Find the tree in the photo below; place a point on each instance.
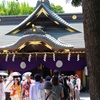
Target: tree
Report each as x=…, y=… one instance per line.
x=3, y=10
x=26, y=9
x=91, y=14
x=57, y=9
x=15, y=8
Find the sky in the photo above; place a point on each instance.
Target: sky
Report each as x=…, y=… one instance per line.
x=68, y=8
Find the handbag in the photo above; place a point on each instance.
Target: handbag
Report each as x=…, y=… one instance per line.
x=48, y=95
x=12, y=92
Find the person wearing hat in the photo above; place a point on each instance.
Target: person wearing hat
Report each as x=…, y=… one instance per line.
x=47, y=78
x=26, y=87
x=48, y=94
x=56, y=73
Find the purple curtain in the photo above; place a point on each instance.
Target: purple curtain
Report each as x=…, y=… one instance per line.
x=62, y=63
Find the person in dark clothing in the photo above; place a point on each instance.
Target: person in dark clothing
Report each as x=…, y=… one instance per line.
x=47, y=78
x=65, y=89
x=56, y=73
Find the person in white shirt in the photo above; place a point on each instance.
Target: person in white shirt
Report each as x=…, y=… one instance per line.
x=4, y=84
x=70, y=84
x=77, y=87
x=1, y=88
x=35, y=87
x=7, y=87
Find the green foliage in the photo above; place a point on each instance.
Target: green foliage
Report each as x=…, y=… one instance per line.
x=15, y=8
x=26, y=9
x=3, y=10
x=57, y=9
x=76, y=3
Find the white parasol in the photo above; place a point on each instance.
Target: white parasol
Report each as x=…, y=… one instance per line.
x=3, y=74
x=15, y=74
x=27, y=73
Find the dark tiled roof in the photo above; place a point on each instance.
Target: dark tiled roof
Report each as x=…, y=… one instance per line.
x=75, y=39
x=56, y=44
x=59, y=37
x=58, y=19
x=43, y=8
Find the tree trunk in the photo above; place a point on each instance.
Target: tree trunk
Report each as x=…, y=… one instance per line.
x=91, y=14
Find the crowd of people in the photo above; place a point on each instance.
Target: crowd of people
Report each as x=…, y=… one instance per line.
x=56, y=87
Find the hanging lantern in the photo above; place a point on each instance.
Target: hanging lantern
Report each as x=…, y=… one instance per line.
x=13, y=58
x=69, y=56
x=78, y=57
x=45, y=55
x=54, y=57
x=6, y=59
x=29, y=57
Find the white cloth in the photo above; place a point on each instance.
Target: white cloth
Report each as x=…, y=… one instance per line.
x=15, y=97
x=1, y=90
x=4, y=84
x=78, y=82
x=26, y=98
x=9, y=83
x=41, y=95
x=34, y=90
x=52, y=96
x=77, y=95
x=70, y=84
x=77, y=89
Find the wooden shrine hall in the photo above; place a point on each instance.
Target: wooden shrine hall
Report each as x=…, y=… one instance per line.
x=42, y=39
